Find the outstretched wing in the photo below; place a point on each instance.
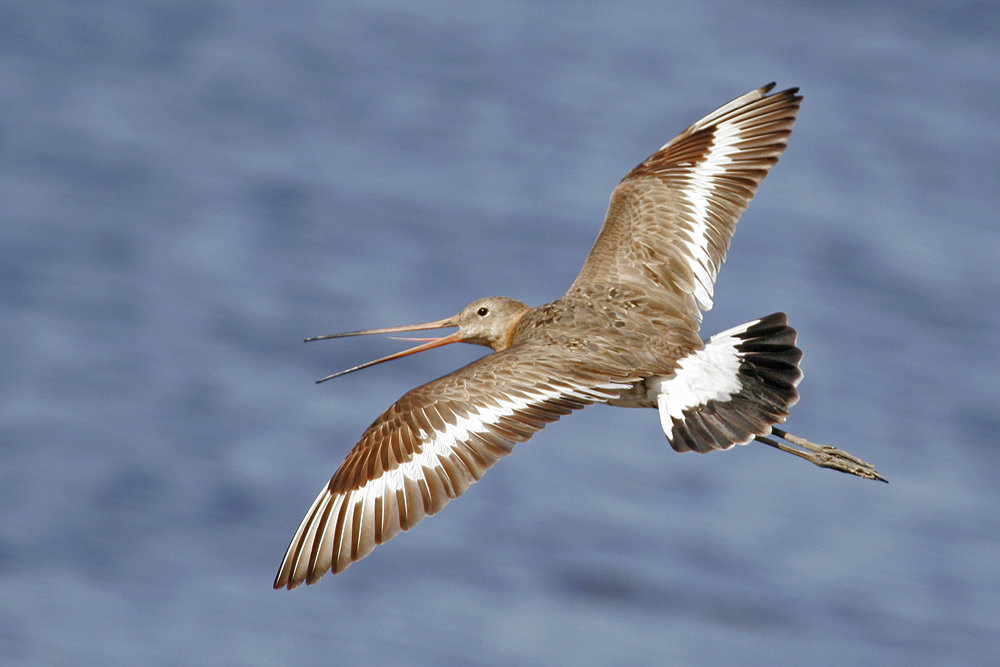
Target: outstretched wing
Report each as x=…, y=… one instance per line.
x=430, y=446
x=671, y=218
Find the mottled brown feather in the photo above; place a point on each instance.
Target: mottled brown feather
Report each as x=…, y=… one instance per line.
x=645, y=237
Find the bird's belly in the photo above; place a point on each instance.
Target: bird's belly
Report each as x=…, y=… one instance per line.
x=642, y=394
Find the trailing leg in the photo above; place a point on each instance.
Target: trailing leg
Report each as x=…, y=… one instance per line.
x=824, y=456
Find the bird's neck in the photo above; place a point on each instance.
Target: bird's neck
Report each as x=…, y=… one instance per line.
x=505, y=341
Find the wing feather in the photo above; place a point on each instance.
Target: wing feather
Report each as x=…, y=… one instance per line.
x=671, y=218
x=430, y=446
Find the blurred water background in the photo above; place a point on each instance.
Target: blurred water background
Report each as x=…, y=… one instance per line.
x=190, y=188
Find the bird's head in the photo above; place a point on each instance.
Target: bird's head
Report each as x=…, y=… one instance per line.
x=488, y=322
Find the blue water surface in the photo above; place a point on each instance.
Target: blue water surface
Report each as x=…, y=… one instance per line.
x=190, y=188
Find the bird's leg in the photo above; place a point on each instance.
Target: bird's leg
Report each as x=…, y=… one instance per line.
x=824, y=456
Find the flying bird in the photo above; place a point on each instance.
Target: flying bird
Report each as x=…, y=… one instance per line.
x=625, y=333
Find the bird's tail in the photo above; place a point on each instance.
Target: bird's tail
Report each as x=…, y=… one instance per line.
x=736, y=388
x=733, y=389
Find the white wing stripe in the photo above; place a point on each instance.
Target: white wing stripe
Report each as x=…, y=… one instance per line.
x=718, y=158
x=443, y=442
x=341, y=528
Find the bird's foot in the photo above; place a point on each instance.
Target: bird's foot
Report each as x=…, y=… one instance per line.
x=824, y=456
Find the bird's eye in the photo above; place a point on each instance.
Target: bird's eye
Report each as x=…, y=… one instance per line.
x=483, y=311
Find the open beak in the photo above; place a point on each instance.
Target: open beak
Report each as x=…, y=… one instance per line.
x=429, y=345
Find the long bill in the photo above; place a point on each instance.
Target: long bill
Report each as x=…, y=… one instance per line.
x=429, y=345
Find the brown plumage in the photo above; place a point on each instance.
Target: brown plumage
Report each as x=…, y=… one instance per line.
x=625, y=333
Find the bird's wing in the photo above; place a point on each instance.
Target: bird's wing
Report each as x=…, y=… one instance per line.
x=671, y=218
x=431, y=445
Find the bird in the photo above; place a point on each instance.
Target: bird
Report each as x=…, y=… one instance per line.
x=625, y=333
